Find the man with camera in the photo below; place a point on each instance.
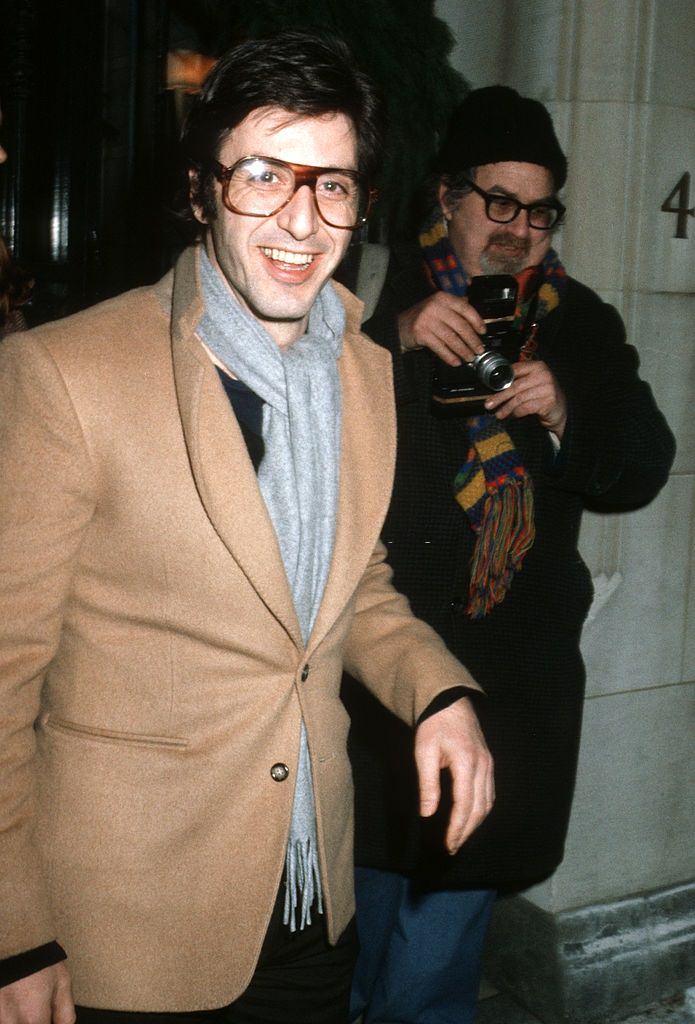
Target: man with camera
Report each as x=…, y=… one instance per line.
x=482, y=536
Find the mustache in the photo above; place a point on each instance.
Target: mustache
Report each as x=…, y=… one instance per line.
x=521, y=245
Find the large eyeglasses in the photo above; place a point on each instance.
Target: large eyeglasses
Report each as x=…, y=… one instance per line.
x=502, y=209
x=258, y=186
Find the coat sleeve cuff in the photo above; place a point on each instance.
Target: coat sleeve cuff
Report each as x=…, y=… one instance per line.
x=447, y=698
x=13, y=968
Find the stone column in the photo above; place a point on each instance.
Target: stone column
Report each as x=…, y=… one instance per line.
x=614, y=929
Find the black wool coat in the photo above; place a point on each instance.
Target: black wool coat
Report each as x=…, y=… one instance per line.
x=615, y=455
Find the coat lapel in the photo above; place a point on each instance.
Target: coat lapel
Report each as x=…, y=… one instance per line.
x=224, y=476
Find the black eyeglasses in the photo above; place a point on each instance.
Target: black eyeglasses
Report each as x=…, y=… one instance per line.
x=259, y=186
x=501, y=209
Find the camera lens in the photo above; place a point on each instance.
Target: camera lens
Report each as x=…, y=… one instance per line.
x=499, y=377
x=493, y=370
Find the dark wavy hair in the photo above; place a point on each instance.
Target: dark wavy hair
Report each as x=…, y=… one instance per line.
x=305, y=73
x=15, y=284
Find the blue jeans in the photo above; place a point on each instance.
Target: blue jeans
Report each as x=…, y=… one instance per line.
x=420, y=956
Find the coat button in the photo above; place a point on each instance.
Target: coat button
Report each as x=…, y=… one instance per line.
x=305, y=673
x=279, y=772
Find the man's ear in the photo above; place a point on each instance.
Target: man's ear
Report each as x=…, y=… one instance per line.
x=443, y=197
x=193, y=181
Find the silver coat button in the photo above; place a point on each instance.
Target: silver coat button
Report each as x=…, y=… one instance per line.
x=279, y=772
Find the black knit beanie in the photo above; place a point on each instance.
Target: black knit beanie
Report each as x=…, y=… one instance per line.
x=496, y=124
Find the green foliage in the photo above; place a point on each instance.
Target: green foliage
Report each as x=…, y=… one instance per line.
x=400, y=43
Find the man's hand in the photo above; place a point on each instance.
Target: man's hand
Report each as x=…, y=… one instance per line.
x=41, y=998
x=452, y=739
x=535, y=391
x=446, y=324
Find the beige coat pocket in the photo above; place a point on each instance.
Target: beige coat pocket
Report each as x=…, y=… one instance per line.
x=112, y=735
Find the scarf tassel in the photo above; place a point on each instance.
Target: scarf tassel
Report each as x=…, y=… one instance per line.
x=506, y=533
x=302, y=884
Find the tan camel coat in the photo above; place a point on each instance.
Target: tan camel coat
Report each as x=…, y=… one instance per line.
x=151, y=663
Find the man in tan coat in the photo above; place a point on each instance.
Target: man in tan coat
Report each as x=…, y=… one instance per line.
x=194, y=477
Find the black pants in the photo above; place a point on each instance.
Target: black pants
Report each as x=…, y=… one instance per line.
x=299, y=979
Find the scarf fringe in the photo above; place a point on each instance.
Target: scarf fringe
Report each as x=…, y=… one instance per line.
x=506, y=533
x=301, y=876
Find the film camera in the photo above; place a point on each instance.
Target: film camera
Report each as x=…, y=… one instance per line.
x=463, y=389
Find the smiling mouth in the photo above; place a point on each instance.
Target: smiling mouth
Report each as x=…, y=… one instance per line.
x=295, y=259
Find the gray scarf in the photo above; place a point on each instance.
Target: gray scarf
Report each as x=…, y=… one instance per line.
x=298, y=478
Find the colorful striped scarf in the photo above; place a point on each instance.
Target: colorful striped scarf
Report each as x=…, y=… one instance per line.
x=493, y=487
